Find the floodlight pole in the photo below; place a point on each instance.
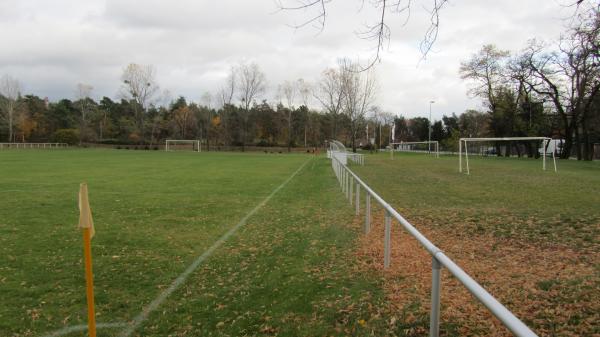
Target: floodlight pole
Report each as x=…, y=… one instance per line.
x=429, y=139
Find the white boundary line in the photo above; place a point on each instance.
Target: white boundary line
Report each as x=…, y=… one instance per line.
x=84, y=327
x=143, y=316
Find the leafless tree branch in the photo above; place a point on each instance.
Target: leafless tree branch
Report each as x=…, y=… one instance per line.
x=380, y=30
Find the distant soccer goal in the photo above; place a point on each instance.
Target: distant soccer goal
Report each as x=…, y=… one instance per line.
x=432, y=147
x=182, y=145
x=463, y=147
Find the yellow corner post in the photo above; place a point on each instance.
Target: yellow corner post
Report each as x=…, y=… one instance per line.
x=87, y=224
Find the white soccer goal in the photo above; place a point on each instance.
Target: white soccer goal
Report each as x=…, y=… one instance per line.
x=177, y=144
x=463, y=142
x=411, y=147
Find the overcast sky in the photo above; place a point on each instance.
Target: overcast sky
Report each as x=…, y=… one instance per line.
x=50, y=46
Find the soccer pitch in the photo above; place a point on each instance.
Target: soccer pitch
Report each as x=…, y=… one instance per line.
x=265, y=244
x=156, y=213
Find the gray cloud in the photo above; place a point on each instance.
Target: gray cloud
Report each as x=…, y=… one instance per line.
x=52, y=46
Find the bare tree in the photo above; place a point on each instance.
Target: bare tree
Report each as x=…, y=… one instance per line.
x=251, y=84
x=287, y=91
x=207, y=101
x=82, y=94
x=359, y=90
x=227, y=91
x=330, y=94
x=378, y=31
x=139, y=85
x=163, y=101
x=304, y=89
x=485, y=70
x=570, y=79
x=10, y=88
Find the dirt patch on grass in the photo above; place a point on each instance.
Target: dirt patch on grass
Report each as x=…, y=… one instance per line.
x=555, y=290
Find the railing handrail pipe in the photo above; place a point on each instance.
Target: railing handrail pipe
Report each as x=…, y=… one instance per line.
x=509, y=320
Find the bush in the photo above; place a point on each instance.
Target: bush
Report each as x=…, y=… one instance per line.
x=368, y=147
x=69, y=136
x=110, y=141
x=262, y=143
x=134, y=137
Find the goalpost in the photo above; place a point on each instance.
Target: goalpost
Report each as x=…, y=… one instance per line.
x=545, y=142
x=407, y=146
x=171, y=144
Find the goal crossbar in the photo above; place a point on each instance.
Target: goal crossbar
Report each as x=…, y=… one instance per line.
x=434, y=142
x=183, y=141
x=545, y=142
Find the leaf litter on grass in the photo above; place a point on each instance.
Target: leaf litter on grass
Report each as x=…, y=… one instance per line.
x=554, y=289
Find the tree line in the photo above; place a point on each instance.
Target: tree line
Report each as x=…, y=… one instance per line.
x=236, y=115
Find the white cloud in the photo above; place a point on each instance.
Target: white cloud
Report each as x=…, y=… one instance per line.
x=52, y=45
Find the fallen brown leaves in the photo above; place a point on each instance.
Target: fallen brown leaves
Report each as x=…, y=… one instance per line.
x=554, y=289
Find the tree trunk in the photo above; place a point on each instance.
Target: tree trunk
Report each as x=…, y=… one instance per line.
x=334, y=135
x=305, y=131
x=353, y=139
x=578, y=142
x=10, y=125
x=568, y=145
x=588, y=152
x=289, y=142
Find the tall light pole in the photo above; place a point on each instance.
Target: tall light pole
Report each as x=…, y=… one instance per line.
x=429, y=141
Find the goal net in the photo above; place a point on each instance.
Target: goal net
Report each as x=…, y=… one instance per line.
x=491, y=146
x=432, y=147
x=182, y=145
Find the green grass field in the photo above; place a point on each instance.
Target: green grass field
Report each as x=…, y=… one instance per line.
x=505, y=196
x=294, y=268
x=155, y=213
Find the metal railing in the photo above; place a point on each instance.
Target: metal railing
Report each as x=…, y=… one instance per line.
x=33, y=145
x=351, y=185
x=356, y=157
x=337, y=148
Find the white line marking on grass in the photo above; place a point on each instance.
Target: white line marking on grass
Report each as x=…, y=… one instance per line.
x=143, y=316
x=82, y=327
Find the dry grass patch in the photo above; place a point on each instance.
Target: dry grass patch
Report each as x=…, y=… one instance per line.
x=554, y=289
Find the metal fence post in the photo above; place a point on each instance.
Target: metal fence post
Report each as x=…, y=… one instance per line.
x=357, y=201
x=348, y=185
x=367, y=213
x=434, y=323
x=351, y=190
x=347, y=182
x=386, y=243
